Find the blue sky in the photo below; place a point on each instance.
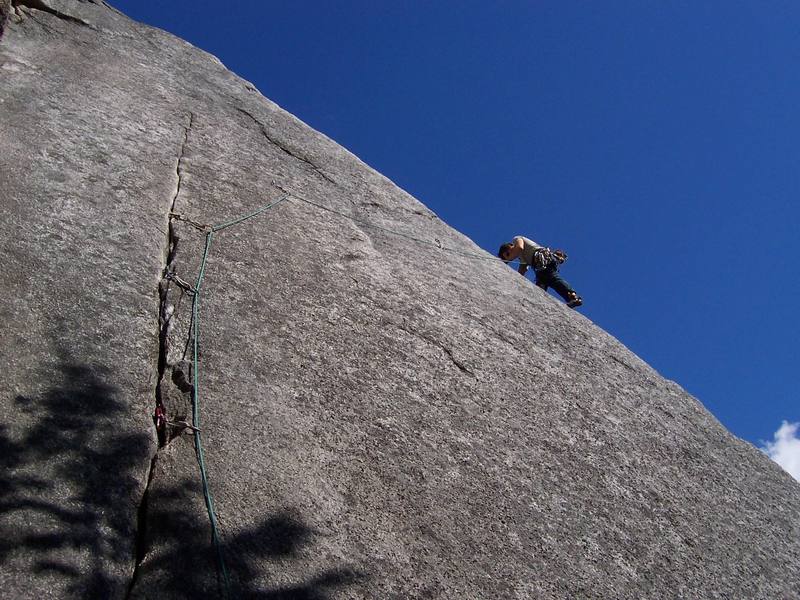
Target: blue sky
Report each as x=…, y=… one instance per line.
x=657, y=142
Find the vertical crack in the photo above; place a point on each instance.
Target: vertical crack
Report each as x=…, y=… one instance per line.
x=168, y=376
x=179, y=166
x=166, y=307
x=141, y=528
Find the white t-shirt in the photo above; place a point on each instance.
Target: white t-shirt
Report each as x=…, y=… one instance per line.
x=527, y=252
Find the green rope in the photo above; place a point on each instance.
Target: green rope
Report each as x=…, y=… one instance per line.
x=255, y=213
x=215, y=540
x=215, y=537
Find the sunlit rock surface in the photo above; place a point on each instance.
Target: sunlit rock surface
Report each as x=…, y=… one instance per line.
x=385, y=410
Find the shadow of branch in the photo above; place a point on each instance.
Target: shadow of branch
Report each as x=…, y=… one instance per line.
x=184, y=565
x=68, y=481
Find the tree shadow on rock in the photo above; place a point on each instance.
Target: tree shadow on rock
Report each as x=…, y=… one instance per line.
x=283, y=536
x=69, y=482
x=186, y=565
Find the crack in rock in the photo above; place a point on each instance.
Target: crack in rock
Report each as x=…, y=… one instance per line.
x=179, y=166
x=623, y=363
x=44, y=7
x=441, y=346
x=285, y=148
x=140, y=546
x=5, y=11
x=172, y=380
x=174, y=387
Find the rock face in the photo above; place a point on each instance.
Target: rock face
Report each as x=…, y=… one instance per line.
x=384, y=411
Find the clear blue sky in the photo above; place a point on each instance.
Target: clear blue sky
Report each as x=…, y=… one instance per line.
x=657, y=142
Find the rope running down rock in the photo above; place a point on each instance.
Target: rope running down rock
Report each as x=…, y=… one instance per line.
x=195, y=291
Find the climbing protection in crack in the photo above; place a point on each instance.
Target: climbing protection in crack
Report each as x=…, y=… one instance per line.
x=173, y=376
x=184, y=376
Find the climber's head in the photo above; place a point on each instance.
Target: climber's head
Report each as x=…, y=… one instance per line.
x=504, y=251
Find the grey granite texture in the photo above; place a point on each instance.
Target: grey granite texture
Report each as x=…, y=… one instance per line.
x=381, y=417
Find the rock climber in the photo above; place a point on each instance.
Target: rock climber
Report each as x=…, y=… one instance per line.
x=545, y=264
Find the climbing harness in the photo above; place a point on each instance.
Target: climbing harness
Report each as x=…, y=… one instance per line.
x=544, y=257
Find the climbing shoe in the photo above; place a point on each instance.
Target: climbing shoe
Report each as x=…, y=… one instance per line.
x=575, y=301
